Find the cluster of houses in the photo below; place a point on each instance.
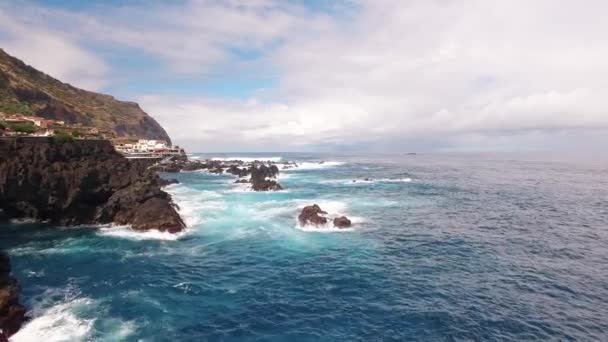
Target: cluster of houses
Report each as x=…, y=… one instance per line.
x=143, y=148
x=19, y=124
x=25, y=125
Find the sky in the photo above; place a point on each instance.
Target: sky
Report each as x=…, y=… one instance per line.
x=335, y=75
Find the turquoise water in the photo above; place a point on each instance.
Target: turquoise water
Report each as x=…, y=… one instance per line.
x=443, y=248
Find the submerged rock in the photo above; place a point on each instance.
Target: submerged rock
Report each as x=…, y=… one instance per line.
x=12, y=313
x=81, y=182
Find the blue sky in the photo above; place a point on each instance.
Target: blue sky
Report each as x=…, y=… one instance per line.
x=356, y=75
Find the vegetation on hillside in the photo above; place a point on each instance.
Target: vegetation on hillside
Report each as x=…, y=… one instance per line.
x=26, y=90
x=22, y=128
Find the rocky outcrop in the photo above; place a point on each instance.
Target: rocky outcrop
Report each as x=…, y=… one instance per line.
x=12, y=314
x=81, y=182
x=165, y=182
x=260, y=178
x=313, y=215
x=262, y=175
x=342, y=222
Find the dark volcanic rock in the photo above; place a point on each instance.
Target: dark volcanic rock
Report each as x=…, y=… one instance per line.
x=81, y=182
x=12, y=314
x=259, y=178
x=342, y=222
x=237, y=171
x=313, y=215
x=164, y=182
x=266, y=185
x=154, y=214
x=310, y=215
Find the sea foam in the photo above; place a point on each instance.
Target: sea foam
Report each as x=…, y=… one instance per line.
x=314, y=166
x=128, y=233
x=64, y=321
x=249, y=159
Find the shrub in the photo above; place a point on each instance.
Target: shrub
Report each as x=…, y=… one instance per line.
x=62, y=138
x=23, y=128
x=15, y=107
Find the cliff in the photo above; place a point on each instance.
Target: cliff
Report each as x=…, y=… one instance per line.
x=81, y=182
x=11, y=312
x=26, y=90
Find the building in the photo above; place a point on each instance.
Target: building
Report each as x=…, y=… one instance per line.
x=144, y=148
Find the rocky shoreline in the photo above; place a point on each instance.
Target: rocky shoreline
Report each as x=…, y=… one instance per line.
x=12, y=313
x=87, y=182
x=81, y=182
x=262, y=174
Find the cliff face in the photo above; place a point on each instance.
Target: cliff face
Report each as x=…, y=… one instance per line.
x=26, y=90
x=81, y=182
x=11, y=312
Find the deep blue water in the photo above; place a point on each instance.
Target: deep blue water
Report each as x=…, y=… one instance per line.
x=444, y=248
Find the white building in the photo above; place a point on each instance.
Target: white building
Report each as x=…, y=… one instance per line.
x=144, y=148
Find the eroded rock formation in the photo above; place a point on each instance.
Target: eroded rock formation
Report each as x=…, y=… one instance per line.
x=313, y=215
x=81, y=182
x=12, y=313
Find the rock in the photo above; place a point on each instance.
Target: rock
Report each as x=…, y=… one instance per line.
x=243, y=180
x=368, y=179
x=218, y=170
x=266, y=185
x=310, y=215
x=313, y=215
x=237, y=171
x=192, y=166
x=12, y=313
x=80, y=182
x=156, y=213
x=164, y=182
x=259, y=175
x=342, y=222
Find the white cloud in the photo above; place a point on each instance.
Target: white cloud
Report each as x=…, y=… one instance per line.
x=384, y=73
x=51, y=52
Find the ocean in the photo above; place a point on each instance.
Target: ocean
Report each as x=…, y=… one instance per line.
x=444, y=247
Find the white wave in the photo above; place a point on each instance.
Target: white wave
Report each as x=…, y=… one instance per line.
x=194, y=204
x=400, y=180
x=249, y=159
x=246, y=188
x=73, y=319
x=327, y=228
x=57, y=323
x=366, y=181
x=314, y=165
x=128, y=233
x=283, y=176
x=26, y=220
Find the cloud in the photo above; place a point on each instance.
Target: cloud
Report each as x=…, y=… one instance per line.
x=51, y=52
x=369, y=74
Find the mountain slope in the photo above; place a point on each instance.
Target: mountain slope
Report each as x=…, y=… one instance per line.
x=26, y=90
